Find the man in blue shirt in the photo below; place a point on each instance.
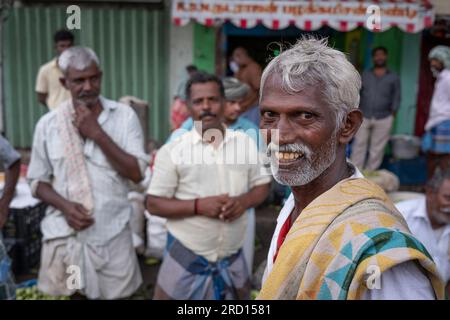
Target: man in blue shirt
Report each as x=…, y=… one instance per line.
x=235, y=91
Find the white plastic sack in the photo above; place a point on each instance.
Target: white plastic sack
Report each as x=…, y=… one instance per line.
x=137, y=220
x=156, y=236
x=136, y=197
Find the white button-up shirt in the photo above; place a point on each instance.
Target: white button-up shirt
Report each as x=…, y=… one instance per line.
x=188, y=168
x=404, y=281
x=440, y=103
x=110, y=190
x=415, y=213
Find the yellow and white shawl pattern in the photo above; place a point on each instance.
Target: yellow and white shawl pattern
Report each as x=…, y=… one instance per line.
x=337, y=238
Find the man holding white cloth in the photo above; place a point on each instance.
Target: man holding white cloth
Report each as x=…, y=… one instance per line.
x=84, y=156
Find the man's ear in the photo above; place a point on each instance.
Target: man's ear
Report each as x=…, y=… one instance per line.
x=189, y=109
x=352, y=122
x=63, y=81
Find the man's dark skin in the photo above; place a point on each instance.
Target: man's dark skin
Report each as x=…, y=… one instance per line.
x=84, y=87
x=305, y=118
x=11, y=177
x=206, y=98
x=436, y=200
x=60, y=46
x=380, y=65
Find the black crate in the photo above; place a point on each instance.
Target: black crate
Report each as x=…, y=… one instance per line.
x=11, y=250
x=22, y=238
x=25, y=254
x=24, y=223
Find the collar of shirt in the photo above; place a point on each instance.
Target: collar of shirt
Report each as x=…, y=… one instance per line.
x=108, y=106
x=387, y=71
x=197, y=137
x=284, y=215
x=420, y=213
x=290, y=203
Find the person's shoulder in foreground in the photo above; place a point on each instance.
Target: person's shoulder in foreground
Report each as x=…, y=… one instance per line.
x=343, y=238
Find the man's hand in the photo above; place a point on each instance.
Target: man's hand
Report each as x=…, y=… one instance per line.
x=212, y=206
x=77, y=216
x=4, y=209
x=232, y=210
x=86, y=122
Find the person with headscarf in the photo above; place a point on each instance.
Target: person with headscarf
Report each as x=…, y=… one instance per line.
x=436, y=141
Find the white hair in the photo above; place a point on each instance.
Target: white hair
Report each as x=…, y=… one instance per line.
x=78, y=58
x=311, y=63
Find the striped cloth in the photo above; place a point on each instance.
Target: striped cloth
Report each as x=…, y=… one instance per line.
x=437, y=139
x=78, y=186
x=186, y=276
x=339, y=240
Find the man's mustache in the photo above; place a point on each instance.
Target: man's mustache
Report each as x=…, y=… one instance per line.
x=292, y=147
x=207, y=114
x=87, y=95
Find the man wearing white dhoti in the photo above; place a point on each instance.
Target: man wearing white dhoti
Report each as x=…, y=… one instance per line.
x=84, y=156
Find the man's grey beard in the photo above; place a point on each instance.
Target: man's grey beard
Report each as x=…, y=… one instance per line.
x=314, y=163
x=435, y=72
x=441, y=217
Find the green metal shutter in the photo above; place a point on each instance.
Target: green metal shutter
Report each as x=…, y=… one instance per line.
x=131, y=44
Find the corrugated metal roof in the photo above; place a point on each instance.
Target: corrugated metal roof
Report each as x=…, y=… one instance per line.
x=131, y=44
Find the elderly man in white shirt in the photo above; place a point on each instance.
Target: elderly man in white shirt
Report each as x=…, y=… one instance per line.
x=204, y=182
x=428, y=217
x=84, y=158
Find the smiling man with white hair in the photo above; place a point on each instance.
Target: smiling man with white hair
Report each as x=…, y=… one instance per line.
x=338, y=235
x=85, y=154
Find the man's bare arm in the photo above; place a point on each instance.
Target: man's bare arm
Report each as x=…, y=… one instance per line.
x=75, y=214
x=125, y=164
x=173, y=208
x=11, y=177
x=255, y=196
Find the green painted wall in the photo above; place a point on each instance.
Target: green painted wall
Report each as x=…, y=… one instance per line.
x=205, y=48
x=409, y=77
x=131, y=44
x=404, y=55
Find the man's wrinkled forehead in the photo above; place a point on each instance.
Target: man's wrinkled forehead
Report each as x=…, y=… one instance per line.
x=205, y=90
x=274, y=92
x=91, y=70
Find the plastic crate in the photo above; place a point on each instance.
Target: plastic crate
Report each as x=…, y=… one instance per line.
x=410, y=172
x=25, y=254
x=22, y=238
x=24, y=223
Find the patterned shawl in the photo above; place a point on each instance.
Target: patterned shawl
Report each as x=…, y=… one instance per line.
x=338, y=240
x=79, y=189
